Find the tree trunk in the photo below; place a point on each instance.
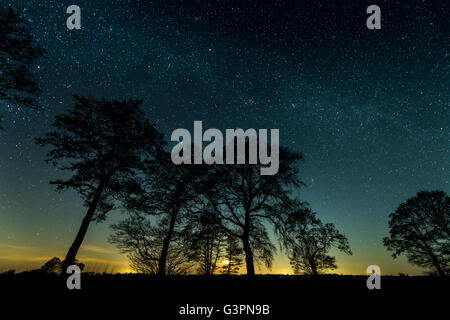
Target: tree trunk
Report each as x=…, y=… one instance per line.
x=73, y=250
x=438, y=266
x=314, y=269
x=166, y=243
x=248, y=257
x=246, y=244
x=435, y=261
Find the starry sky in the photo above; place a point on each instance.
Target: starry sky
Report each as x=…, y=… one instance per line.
x=369, y=109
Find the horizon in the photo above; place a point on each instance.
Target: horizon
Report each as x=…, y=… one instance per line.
x=368, y=109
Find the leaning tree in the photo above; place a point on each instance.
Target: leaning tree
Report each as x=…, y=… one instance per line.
x=18, y=52
x=101, y=143
x=243, y=202
x=420, y=229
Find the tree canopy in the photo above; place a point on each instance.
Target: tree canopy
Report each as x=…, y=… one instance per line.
x=308, y=240
x=420, y=229
x=242, y=202
x=102, y=143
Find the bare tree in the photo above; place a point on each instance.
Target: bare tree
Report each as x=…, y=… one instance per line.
x=233, y=256
x=143, y=242
x=239, y=198
x=205, y=243
x=308, y=241
x=166, y=191
x=420, y=229
x=101, y=143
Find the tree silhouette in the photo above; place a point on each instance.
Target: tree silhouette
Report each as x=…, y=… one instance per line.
x=54, y=265
x=309, y=240
x=143, y=243
x=18, y=52
x=234, y=256
x=239, y=199
x=205, y=243
x=102, y=143
x=420, y=229
x=165, y=190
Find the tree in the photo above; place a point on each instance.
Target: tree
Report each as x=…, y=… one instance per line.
x=309, y=240
x=164, y=191
x=205, y=243
x=54, y=265
x=233, y=256
x=420, y=229
x=102, y=143
x=18, y=52
x=239, y=199
x=143, y=242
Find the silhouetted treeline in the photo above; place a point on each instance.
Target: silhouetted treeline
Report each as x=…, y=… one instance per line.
x=180, y=217
x=193, y=218
x=210, y=218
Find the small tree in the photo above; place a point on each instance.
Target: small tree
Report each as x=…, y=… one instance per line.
x=205, y=243
x=54, y=265
x=234, y=256
x=164, y=191
x=420, y=229
x=18, y=52
x=102, y=143
x=143, y=242
x=309, y=240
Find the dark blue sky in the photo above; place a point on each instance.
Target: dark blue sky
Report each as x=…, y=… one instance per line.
x=369, y=109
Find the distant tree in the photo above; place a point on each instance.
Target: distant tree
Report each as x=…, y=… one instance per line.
x=240, y=199
x=143, y=243
x=18, y=52
x=309, y=240
x=165, y=191
x=420, y=229
x=54, y=265
x=205, y=243
x=233, y=256
x=102, y=143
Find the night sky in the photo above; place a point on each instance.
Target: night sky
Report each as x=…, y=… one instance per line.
x=369, y=109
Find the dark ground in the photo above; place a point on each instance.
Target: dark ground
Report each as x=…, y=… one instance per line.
x=289, y=297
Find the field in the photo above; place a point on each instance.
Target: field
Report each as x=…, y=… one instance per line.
x=287, y=297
